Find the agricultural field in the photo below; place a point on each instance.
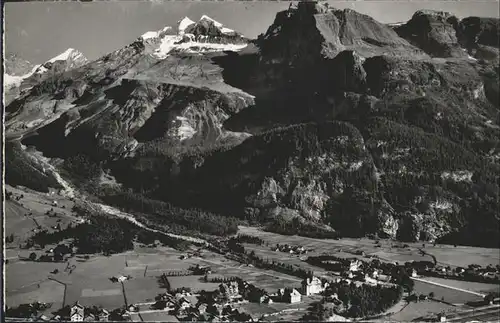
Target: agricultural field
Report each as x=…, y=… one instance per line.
x=48, y=291
x=154, y=317
x=142, y=289
x=279, y=311
x=195, y=283
x=25, y=273
x=385, y=249
x=271, y=281
x=471, y=286
x=283, y=257
x=463, y=256
x=414, y=311
x=446, y=294
x=26, y=216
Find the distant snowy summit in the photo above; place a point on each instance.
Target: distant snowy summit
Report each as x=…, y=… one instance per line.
x=206, y=35
x=67, y=60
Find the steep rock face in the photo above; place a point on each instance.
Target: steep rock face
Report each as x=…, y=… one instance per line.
x=16, y=65
x=66, y=61
x=299, y=171
x=128, y=98
x=480, y=37
x=210, y=31
x=396, y=142
x=296, y=49
x=134, y=112
x=346, y=73
x=434, y=32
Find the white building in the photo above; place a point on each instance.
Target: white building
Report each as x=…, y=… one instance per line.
x=313, y=285
x=370, y=280
x=290, y=295
x=355, y=265
x=293, y=296
x=77, y=313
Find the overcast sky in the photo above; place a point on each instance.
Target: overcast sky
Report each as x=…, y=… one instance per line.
x=38, y=31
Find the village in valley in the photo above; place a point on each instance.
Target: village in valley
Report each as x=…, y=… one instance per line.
x=254, y=275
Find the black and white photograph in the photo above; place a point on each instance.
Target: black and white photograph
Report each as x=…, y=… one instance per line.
x=251, y=161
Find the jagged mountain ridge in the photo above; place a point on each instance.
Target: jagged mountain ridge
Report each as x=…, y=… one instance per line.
x=15, y=65
x=67, y=60
x=126, y=87
x=391, y=102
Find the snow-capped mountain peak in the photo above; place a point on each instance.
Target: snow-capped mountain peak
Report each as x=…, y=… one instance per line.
x=70, y=58
x=183, y=24
x=216, y=23
x=69, y=53
x=206, y=35
x=155, y=34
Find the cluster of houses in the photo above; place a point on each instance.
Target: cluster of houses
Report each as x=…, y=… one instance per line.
x=296, y=250
x=78, y=313
x=472, y=272
x=355, y=271
x=218, y=305
x=210, y=307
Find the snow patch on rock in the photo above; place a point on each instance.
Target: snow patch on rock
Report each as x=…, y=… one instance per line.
x=183, y=24
x=69, y=53
x=216, y=23
x=185, y=130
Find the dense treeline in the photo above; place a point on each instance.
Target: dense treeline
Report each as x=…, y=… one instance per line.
x=83, y=171
x=21, y=169
x=366, y=300
x=191, y=219
x=102, y=233
x=27, y=311
x=420, y=166
x=245, y=238
x=295, y=227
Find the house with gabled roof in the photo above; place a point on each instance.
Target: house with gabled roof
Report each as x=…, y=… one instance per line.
x=77, y=313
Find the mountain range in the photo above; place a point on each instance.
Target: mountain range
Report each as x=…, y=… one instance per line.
x=330, y=122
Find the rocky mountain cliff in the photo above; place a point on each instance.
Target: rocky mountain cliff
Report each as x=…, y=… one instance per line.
x=15, y=84
x=329, y=120
x=15, y=65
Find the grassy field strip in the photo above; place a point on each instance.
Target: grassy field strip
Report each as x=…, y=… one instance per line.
x=447, y=286
x=30, y=284
x=65, y=288
x=257, y=271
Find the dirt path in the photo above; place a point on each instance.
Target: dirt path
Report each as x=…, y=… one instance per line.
x=447, y=286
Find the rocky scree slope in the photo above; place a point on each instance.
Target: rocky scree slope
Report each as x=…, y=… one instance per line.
x=355, y=128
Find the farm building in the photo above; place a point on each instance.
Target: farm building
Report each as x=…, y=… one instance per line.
x=290, y=295
x=103, y=315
